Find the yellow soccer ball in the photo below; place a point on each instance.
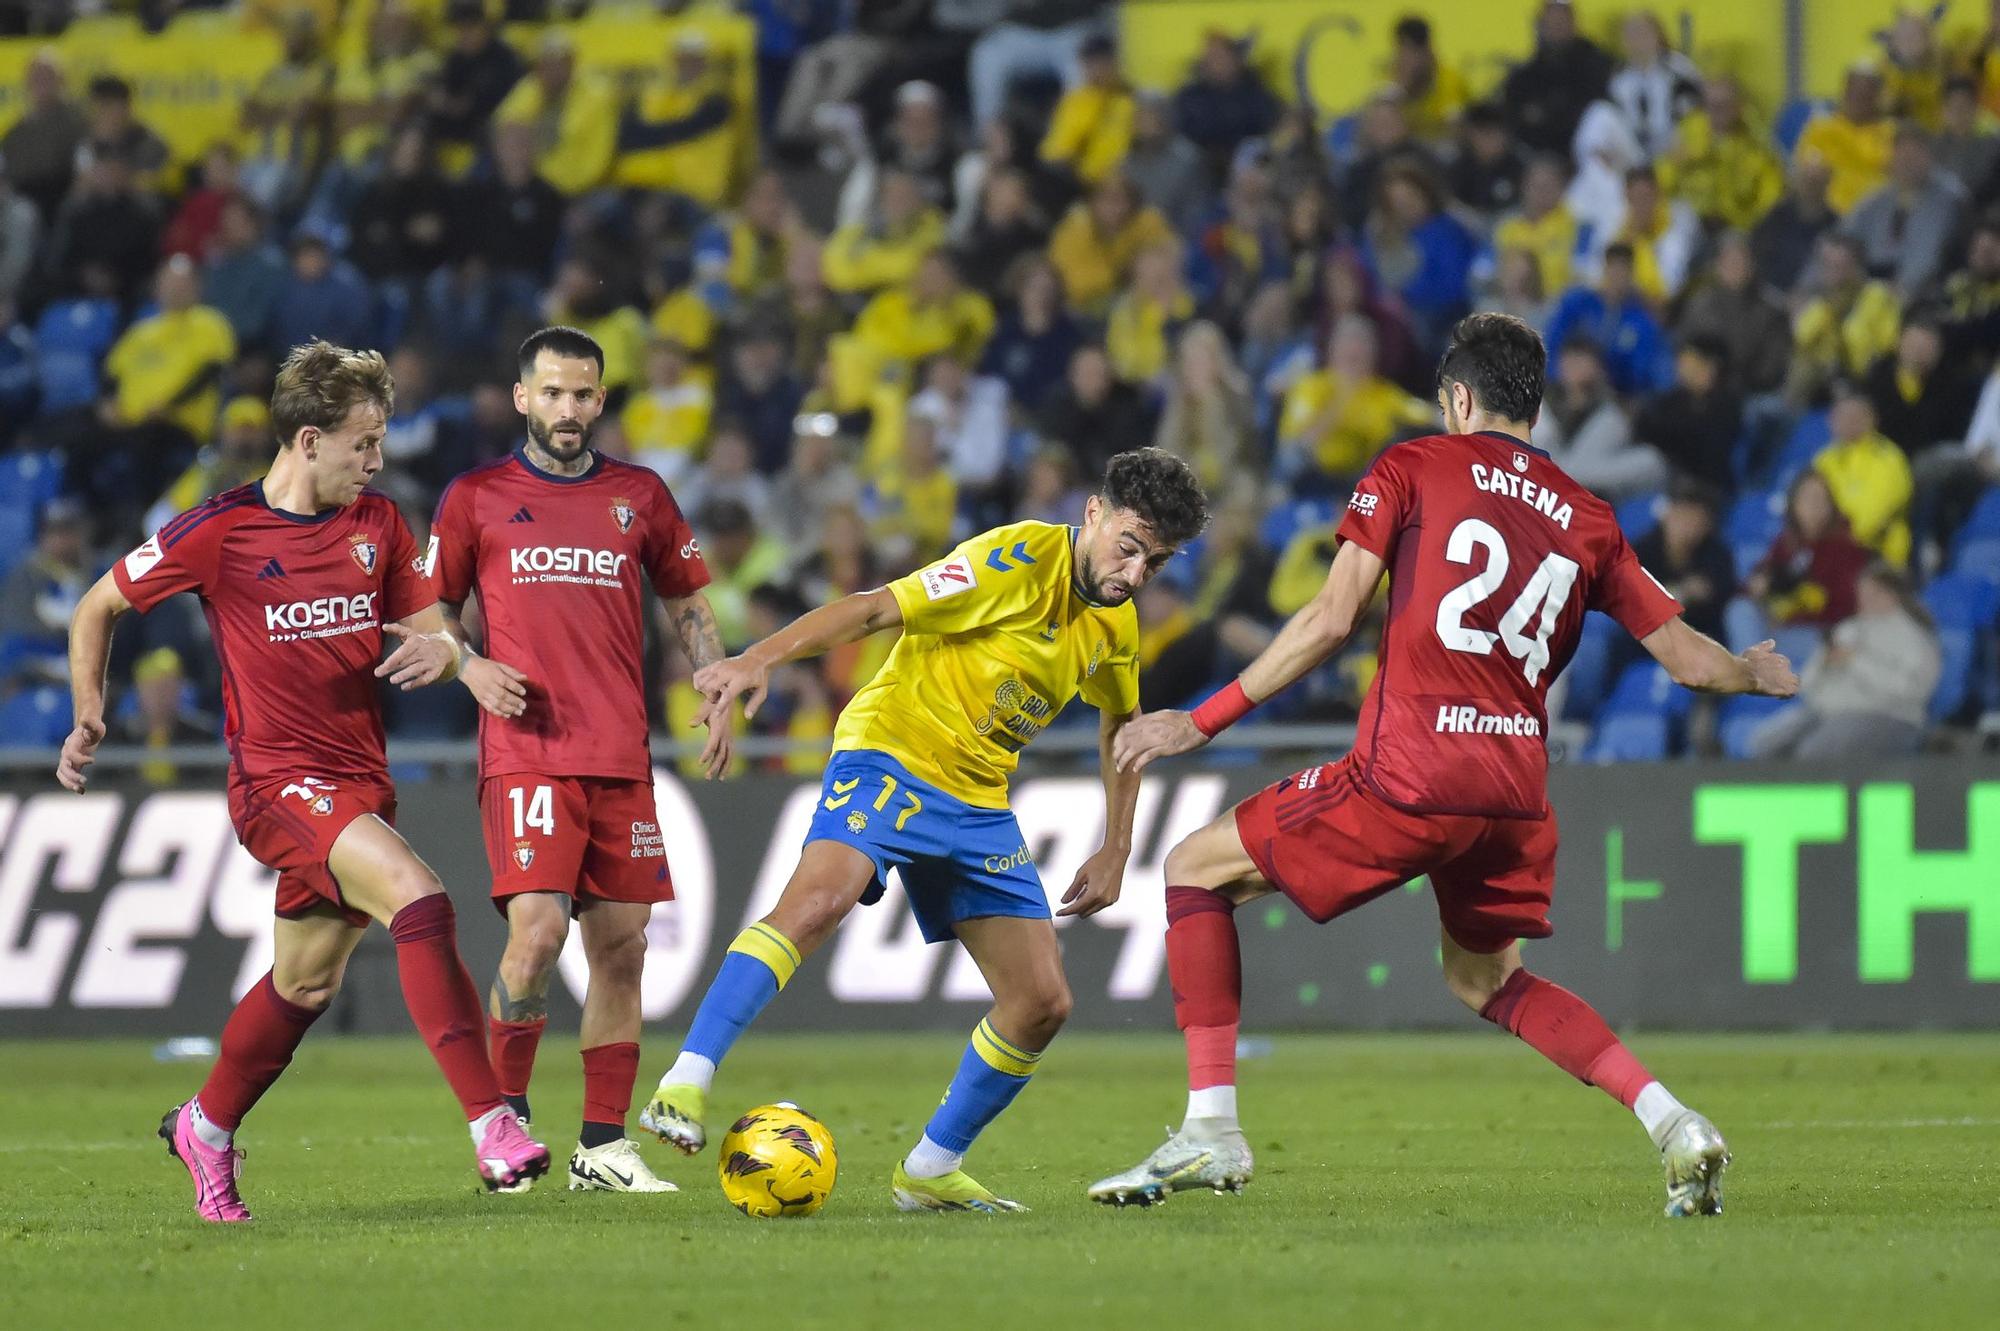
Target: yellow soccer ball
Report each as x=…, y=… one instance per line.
x=778, y=1161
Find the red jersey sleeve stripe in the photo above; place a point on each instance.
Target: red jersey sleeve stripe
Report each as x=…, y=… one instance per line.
x=180, y=528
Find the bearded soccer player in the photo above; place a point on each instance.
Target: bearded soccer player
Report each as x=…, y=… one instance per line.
x=561, y=543
x=997, y=638
x=302, y=575
x=1493, y=556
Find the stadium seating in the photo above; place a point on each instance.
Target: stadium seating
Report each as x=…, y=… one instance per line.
x=1639, y=516
x=73, y=336
x=36, y=717
x=1740, y=719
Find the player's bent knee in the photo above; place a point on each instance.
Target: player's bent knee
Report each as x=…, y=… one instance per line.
x=620, y=960
x=535, y=945
x=313, y=992
x=1473, y=978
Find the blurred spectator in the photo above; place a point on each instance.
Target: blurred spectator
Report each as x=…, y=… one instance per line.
x=917, y=142
x=1785, y=241
x=1587, y=431
x=1606, y=151
x=402, y=222
x=1809, y=574
x=1847, y=322
x=1688, y=558
x=1738, y=311
x=1485, y=172
x=912, y=507
x=1663, y=233
x=1148, y=317
x=167, y=369
x=1050, y=490
x=1656, y=85
x=1614, y=315
x=759, y=391
x=582, y=296
x=1275, y=348
x=321, y=295
x=1241, y=244
x=1433, y=92
x=1545, y=95
x=739, y=560
x=885, y=247
x=1093, y=415
x=1337, y=419
x=1695, y=423
x=1209, y=417
x=195, y=224
x=39, y=596
x=1091, y=130
x=1096, y=242
x=1868, y=476
x=1022, y=39
x=1001, y=150
x=814, y=482
x=163, y=714
x=1421, y=252
x=383, y=85
x=241, y=454
x=1543, y=226
x=1853, y=140
x=1383, y=139
x=968, y=417
x=1867, y=692
x=287, y=119
x=1971, y=296
x=1913, y=75
x=935, y=313
x=20, y=233
x=1905, y=226
x=114, y=129
x=666, y=422
x=727, y=474
x=1225, y=102
x=1347, y=287
x=20, y=386
x=1031, y=350
x=510, y=222
x=40, y=148
x=573, y=117
x=1516, y=289
x=106, y=237
x=1968, y=146
x=1163, y=164
x=1919, y=400
x=1006, y=228
x=245, y=274
x=478, y=72
x=1718, y=164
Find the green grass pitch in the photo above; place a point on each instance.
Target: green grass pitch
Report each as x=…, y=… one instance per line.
x=1446, y=1181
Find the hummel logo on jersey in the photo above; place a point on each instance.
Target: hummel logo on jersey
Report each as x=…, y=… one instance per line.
x=522, y=514
x=272, y=569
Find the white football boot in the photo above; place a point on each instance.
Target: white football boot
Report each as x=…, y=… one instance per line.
x=614, y=1167
x=1694, y=1155
x=1195, y=1157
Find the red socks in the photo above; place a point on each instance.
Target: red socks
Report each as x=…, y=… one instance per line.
x=513, y=1045
x=1568, y=1032
x=608, y=1073
x=257, y=1046
x=442, y=1001
x=1205, y=970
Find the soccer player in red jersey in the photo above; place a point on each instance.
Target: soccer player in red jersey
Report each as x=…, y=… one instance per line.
x=1493, y=556
x=561, y=543
x=302, y=575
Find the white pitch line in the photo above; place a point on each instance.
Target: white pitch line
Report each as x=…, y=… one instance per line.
x=152, y=1143
x=1868, y=1123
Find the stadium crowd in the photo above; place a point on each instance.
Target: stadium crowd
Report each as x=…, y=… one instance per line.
x=902, y=269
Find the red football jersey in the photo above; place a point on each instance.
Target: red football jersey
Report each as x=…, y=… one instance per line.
x=296, y=606
x=1494, y=555
x=560, y=564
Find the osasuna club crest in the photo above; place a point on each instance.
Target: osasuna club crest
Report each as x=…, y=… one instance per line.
x=1520, y=462
x=621, y=513
x=363, y=551
x=524, y=854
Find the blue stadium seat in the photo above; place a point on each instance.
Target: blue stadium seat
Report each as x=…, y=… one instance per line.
x=1813, y=432
x=1793, y=117
x=1639, y=516
x=73, y=336
x=1628, y=737
x=1646, y=687
x=1965, y=607
x=1751, y=524
x=1963, y=600
x=1588, y=675
x=1740, y=719
x=1983, y=523
x=30, y=477
x=1979, y=558
x=1798, y=643
x=1958, y=649
x=35, y=718
x=1288, y=520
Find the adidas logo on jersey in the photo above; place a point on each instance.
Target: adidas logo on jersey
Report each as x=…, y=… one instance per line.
x=522, y=514
x=272, y=569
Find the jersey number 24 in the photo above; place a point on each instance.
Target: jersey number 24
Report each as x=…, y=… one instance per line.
x=1541, y=601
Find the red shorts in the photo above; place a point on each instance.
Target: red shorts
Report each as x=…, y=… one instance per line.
x=1330, y=844
x=290, y=824
x=587, y=837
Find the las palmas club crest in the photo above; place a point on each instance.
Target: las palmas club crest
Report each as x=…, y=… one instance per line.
x=363, y=550
x=621, y=513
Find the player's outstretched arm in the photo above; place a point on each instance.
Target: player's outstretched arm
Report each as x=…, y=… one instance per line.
x=89, y=656
x=425, y=653
x=1697, y=661
x=498, y=688
x=1101, y=878
x=748, y=675
x=1309, y=637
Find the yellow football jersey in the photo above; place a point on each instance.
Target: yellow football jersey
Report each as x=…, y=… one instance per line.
x=995, y=643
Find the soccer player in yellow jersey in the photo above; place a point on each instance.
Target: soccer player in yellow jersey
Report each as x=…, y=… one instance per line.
x=997, y=638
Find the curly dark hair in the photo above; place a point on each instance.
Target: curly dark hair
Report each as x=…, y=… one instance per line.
x=1501, y=361
x=1161, y=489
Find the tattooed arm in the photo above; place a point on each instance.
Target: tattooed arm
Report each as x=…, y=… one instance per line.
x=693, y=620
x=498, y=688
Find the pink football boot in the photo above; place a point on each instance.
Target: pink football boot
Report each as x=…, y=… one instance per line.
x=213, y=1171
x=510, y=1160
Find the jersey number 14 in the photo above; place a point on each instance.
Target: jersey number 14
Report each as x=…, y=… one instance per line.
x=1541, y=601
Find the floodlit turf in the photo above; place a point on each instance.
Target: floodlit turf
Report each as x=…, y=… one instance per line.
x=1409, y=1181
